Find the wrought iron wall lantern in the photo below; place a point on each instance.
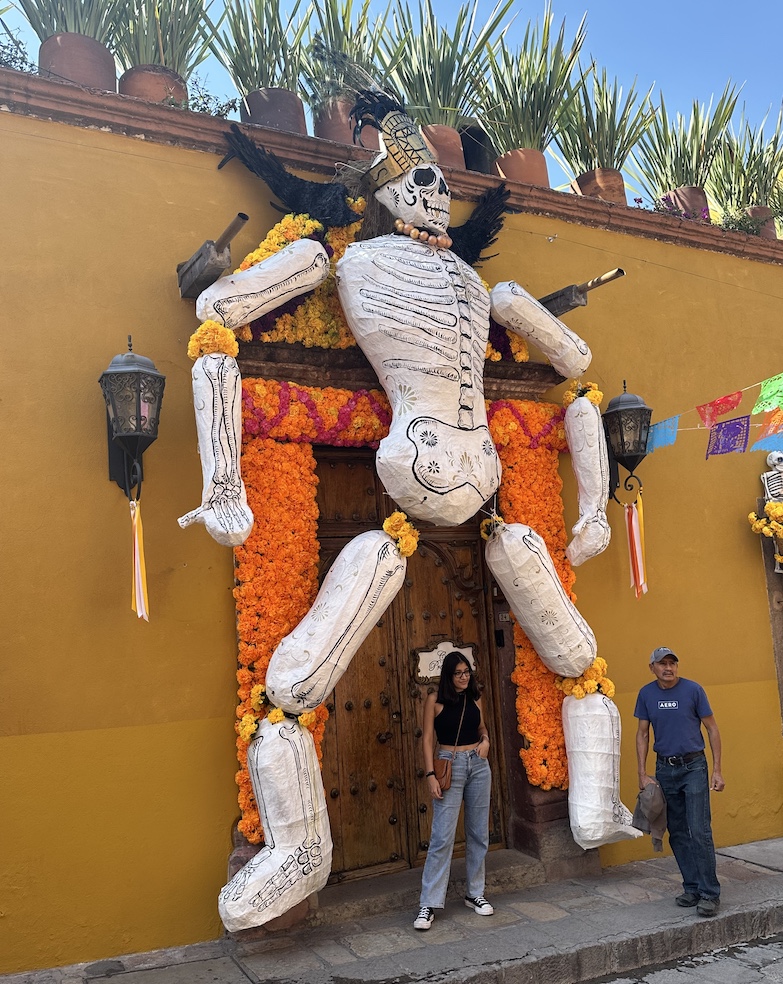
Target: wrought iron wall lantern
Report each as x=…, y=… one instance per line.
x=133, y=390
x=627, y=427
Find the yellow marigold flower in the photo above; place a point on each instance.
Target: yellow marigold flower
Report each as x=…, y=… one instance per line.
x=408, y=543
x=257, y=696
x=592, y=673
x=492, y=354
x=767, y=531
x=395, y=524
x=210, y=338
x=775, y=511
x=247, y=727
x=607, y=688
x=275, y=716
x=519, y=348
x=308, y=719
x=600, y=664
x=244, y=334
x=578, y=691
x=590, y=686
x=595, y=397
x=568, y=686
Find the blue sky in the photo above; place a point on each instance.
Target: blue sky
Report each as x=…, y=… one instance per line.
x=689, y=50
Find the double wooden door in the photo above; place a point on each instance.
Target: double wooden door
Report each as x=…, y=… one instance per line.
x=379, y=804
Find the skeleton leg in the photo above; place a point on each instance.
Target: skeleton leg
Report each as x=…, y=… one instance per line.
x=358, y=589
x=297, y=857
x=520, y=563
x=217, y=397
x=589, y=458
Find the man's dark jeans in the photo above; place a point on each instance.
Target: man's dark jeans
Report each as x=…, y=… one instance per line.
x=686, y=788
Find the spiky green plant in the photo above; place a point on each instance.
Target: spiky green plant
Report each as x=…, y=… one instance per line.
x=747, y=168
x=529, y=88
x=599, y=127
x=675, y=152
x=172, y=33
x=98, y=19
x=443, y=75
x=262, y=46
x=349, y=50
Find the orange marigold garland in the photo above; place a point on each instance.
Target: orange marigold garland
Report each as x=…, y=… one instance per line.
x=276, y=582
x=529, y=438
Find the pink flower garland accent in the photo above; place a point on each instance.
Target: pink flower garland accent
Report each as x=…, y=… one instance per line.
x=514, y=407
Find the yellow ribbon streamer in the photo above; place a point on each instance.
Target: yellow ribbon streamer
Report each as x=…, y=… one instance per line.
x=139, y=600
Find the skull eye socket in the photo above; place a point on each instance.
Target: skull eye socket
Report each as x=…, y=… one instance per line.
x=423, y=176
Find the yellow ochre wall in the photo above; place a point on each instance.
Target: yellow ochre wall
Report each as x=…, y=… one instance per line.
x=116, y=755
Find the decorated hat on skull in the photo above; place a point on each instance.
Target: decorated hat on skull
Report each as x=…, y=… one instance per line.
x=401, y=140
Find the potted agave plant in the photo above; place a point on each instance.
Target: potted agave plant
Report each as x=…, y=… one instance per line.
x=674, y=156
x=597, y=132
x=745, y=179
x=347, y=51
x=262, y=49
x=528, y=94
x=443, y=75
x=77, y=39
x=160, y=44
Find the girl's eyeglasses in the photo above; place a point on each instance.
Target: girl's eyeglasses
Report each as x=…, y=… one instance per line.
x=461, y=673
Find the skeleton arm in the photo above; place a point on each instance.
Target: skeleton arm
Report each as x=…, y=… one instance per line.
x=242, y=297
x=515, y=309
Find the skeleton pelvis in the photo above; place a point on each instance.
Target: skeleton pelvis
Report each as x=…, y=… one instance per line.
x=439, y=472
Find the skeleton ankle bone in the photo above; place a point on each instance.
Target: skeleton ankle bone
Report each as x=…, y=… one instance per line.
x=518, y=311
x=217, y=393
x=297, y=857
x=360, y=585
x=241, y=297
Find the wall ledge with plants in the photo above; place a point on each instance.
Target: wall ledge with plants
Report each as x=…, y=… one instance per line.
x=24, y=94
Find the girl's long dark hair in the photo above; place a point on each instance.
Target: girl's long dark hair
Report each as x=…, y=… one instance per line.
x=447, y=693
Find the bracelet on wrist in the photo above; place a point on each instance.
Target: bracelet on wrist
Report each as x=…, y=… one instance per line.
x=428, y=774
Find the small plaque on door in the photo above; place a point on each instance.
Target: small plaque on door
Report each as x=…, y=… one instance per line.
x=429, y=661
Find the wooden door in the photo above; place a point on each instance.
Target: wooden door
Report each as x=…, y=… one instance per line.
x=379, y=805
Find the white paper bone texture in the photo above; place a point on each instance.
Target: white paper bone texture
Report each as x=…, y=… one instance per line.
x=239, y=298
x=586, y=441
x=421, y=316
x=296, y=858
x=520, y=312
x=360, y=585
x=592, y=730
x=217, y=399
x=520, y=563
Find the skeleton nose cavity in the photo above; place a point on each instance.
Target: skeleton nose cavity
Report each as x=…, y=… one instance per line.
x=443, y=188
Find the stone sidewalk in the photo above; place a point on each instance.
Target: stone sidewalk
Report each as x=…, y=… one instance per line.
x=565, y=932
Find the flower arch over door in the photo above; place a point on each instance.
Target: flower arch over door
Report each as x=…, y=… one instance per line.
x=277, y=567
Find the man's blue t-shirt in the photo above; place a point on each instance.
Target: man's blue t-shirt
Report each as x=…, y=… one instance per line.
x=675, y=715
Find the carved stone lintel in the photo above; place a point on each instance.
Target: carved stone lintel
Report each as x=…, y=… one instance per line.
x=349, y=369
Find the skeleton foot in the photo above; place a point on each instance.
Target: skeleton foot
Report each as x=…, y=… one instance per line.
x=297, y=858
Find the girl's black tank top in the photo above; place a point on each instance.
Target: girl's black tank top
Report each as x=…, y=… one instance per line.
x=447, y=723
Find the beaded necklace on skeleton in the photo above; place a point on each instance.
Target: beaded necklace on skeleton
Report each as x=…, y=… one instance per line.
x=407, y=229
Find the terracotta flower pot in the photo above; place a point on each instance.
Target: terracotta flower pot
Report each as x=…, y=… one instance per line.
x=155, y=84
x=77, y=58
x=446, y=144
x=605, y=183
x=279, y=109
x=691, y=201
x=767, y=228
x=332, y=121
x=525, y=165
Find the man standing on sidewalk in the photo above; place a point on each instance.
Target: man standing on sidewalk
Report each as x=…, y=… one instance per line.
x=677, y=708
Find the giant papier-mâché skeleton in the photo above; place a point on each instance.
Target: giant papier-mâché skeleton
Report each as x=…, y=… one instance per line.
x=420, y=313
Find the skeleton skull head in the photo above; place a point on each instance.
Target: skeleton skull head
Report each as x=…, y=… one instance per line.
x=775, y=460
x=420, y=196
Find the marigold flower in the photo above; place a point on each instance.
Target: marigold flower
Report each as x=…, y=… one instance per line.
x=211, y=338
x=275, y=716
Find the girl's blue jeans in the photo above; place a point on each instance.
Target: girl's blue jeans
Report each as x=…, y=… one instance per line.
x=471, y=781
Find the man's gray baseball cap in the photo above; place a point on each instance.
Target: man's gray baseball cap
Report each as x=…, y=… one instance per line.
x=661, y=653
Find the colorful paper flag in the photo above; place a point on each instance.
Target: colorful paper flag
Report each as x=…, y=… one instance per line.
x=634, y=528
x=662, y=434
x=771, y=395
x=729, y=436
x=709, y=412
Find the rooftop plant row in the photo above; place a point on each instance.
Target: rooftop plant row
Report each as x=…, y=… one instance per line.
x=541, y=94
